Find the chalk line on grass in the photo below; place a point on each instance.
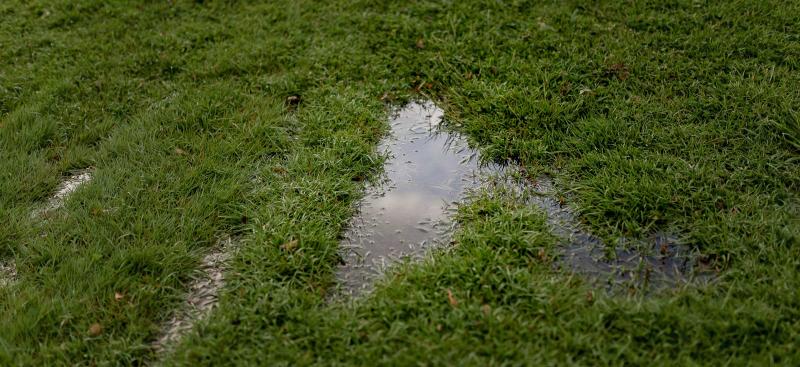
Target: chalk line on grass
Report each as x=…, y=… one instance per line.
x=202, y=297
x=64, y=190
x=8, y=273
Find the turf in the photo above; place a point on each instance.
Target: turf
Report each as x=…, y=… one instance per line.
x=675, y=116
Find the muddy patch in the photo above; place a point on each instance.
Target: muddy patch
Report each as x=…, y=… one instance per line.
x=202, y=297
x=407, y=213
x=68, y=186
x=8, y=273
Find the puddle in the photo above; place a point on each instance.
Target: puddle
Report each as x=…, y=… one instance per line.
x=407, y=213
x=8, y=273
x=64, y=190
x=429, y=170
x=202, y=297
x=659, y=260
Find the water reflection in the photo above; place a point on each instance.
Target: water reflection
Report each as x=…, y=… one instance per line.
x=428, y=170
x=658, y=261
x=408, y=212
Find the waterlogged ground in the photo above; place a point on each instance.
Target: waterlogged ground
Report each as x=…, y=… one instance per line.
x=430, y=170
x=656, y=261
x=409, y=210
x=655, y=149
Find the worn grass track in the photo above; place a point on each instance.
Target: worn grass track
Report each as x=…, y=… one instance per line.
x=663, y=115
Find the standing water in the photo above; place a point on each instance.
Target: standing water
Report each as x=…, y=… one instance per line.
x=428, y=170
x=407, y=212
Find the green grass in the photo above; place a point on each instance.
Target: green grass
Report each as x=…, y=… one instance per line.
x=662, y=115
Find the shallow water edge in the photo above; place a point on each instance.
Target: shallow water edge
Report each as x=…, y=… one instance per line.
x=430, y=170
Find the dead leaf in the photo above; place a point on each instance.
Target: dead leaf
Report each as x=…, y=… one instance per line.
x=289, y=246
x=95, y=330
x=180, y=151
x=542, y=254
x=118, y=296
x=450, y=298
x=293, y=100
x=565, y=88
x=590, y=297
x=486, y=310
x=420, y=43
x=619, y=70
x=438, y=327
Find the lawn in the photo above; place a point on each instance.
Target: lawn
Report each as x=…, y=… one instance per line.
x=258, y=121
